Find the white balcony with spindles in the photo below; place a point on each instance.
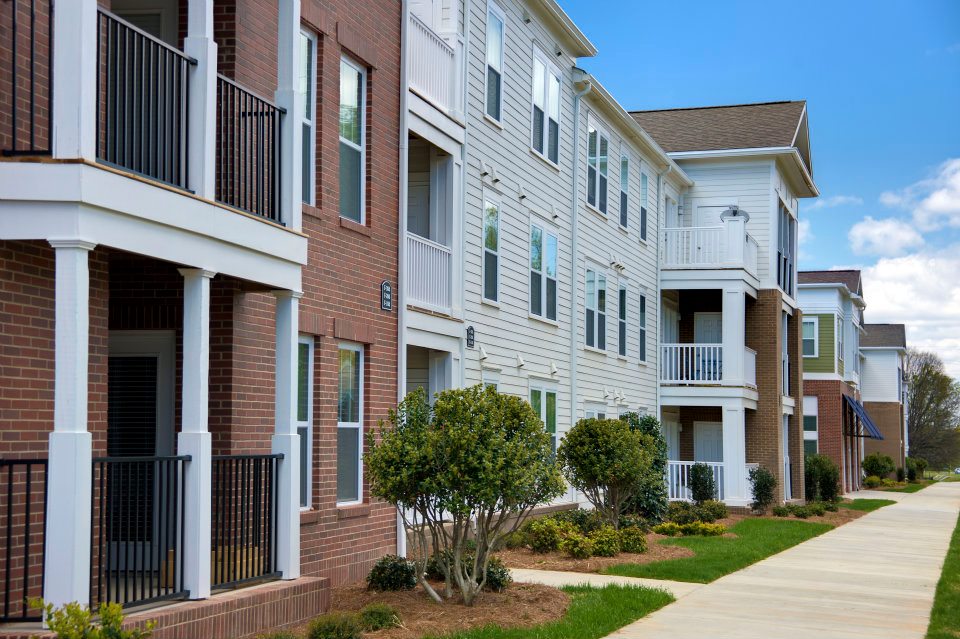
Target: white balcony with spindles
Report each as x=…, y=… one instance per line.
x=428, y=274
x=725, y=246
x=691, y=363
x=434, y=67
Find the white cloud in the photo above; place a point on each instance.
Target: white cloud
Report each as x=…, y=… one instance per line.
x=889, y=237
x=804, y=234
x=933, y=203
x=834, y=201
x=921, y=290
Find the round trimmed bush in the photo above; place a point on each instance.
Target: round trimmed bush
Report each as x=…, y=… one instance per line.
x=545, y=534
x=872, y=481
x=681, y=512
x=711, y=510
x=817, y=509
x=498, y=576
x=377, y=616
x=335, y=625
x=577, y=546
x=878, y=464
x=781, y=511
x=392, y=573
x=702, y=485
x=633, y=540
x=801, y=512
x=606, y=542
x=634, y=521
x=830, y=506
x=669, y=528
x=583, y=520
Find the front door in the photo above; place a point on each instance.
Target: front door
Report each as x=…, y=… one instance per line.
x=708, y=329
x=708, y=441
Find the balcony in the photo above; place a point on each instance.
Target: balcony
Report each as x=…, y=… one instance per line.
x=702, y=364
x=708, y=247
x=429, y=267
x=434, y=67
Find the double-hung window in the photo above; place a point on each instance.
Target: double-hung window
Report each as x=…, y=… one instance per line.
x=305, y=415
x=308, y=84
x=352, y=140
x=811, y=425
x=624, y=190
x=643, y=327
x=546, y=109
x=491, y=250
x=840, y=338
x=495, y=41
x=598, y=147
x=810, y=345
x=350, y=424
x=622, y=321
x=544, y=403
x=543, y=273
x=596, y=320
x=643, y=207
x=595, y=414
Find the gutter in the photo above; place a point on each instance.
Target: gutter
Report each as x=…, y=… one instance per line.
x=402, y=244
x=661, y=201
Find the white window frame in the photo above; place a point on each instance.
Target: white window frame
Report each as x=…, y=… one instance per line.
x=623, y=208
x=593, y=305
x=643, y=326
x=811, y=435
x=816, y=336
x=840, y=337
x=488, y=199
x=549, y=69
x=644, y=210
x=601, y=135
x=363, y=138
x=490, y=377
x=623, y=301
x=358, y=348
x=544, y=390
x=545, y=232
x=595, y=411
x=494, y=10
x=306, y=497
x=310, y=122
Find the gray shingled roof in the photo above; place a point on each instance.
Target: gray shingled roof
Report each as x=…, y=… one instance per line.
x=850, y=278
x=878, y=335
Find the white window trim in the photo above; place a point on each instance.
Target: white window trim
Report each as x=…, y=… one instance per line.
x=624, y=155
x=363, y=139
x=495, y=9
x=601, y=133
x=311, y=198
x=816, y=336
x=623, y=315
x=549, y=67
x=308, y=424
x=545, y=231
x=595, y=410
x=490, y=377
x=358, y=348
x=643, y=306
x=597, y=271
x=484, y=250
x=543, y=389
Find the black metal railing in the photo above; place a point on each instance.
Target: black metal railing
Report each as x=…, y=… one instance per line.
x=143, y=102
x=136, y=554
x=23, y=494
x=248, y=150
x=26, y=79
x=244, y=519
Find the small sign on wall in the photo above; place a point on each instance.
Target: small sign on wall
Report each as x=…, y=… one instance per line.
x=386, y=295
x=471, y=337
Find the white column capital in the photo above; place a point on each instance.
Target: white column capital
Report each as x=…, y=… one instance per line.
x=196, y=272
x=285, y=294
x=72, y=243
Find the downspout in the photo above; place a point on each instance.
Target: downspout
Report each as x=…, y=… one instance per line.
x=661, y=206
x=464, y=65
x=402, y=244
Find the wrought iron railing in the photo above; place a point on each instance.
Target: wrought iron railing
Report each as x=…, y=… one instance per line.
x=23, y=495
x=244, y=519
x=26, y=76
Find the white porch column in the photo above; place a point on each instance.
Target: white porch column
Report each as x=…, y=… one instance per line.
x=286, y=441
x=67, y=563
x=735, y=234
x=74, y=127
x=733, y=336
x=289, y=97
x=736, y=490
x=202, y=115
x=194, y=438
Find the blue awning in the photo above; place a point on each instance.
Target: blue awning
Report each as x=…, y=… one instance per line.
x=865, y=422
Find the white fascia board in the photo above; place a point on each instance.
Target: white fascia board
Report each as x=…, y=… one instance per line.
x=580, y=46
x=777, y=151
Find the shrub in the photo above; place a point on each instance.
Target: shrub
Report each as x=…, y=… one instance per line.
x=920, y=464
x=514, y=540
x=650, y=501
x=682, y=512
x=634, y=521
x=608, y=462
x=392, y=573
x=280, y=634
x=878, y=464
x=377, y=616
x=633, y=539
x=901, y=473
x=887, y=483
x=583, y=520
x=335, y=625
x=872, y=481
x=781, y=511
x=711, y=510
x=705, y=530
x=702, y=485
x=546, y=533
x=606, y=541
x=75, y=621
x=830, y=506
x=469, y=462
x=816, y=508
x=669, y=528
x=821, y=478
x=577, y=546
x=800, y=512
x=498, y=576
x=763, y=484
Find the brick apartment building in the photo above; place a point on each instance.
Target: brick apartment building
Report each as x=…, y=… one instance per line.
x=884, y=389
x=195, y=232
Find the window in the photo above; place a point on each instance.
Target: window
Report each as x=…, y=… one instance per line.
x=495, y=39
x=598, y=146
x=543, y=273
x=490, y=377
x=840, y=338
x=546, y=109
x=624, y=190
x=352, y=153
x=810, y=426
x=622, y=321
x=305, y=415
x=544, y=404
x=350, y=425
x=643, y=327
x=595, y=414
x=643, y=207
x=491, y=250
x=308, y=83
x=785, y=352
x=810, y=338
x=787, y=249
x=596, y=328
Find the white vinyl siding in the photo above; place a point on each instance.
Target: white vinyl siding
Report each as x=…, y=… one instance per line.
x=543, y=272
x=350, y=424
x=305, y=417
x=880, y=378
x=353, y=84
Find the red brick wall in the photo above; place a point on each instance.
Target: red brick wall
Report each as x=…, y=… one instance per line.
x=689, y=415
x=830, y=410
x=888, y=417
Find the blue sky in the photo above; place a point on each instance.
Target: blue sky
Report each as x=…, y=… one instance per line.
x=882, y=83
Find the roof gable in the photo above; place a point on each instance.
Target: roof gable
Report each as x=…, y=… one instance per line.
x=884, y=335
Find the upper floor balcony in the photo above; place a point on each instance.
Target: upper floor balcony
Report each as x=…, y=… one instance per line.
x=727, y=246
x=434, y=64
x=702, y=364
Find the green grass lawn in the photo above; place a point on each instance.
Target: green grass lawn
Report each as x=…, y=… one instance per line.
x=593, y=613
x=909, y=488
x=867, y=505
x=945, y=618
x=718, y=556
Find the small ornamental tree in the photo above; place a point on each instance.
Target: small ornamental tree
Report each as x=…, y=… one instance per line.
x=471, y=466
x=651, y=499
x=608, y=462
x=878, y=464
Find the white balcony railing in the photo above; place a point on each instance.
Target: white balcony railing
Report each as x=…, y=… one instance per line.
x=678, y=479
x=750, y=366
x=691, y=363
x=750, y=251
x=707, y=247
x=428, y=273
x=433, y=67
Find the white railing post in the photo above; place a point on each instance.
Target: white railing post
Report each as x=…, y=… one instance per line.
x=750, y=366
x=735, y=489
x=734, y=318
x=202, y=108
x=735, y=234
x=433, y=66
x=428, y=273
x=286, y=440
x=289, y=97
x=74, y=67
